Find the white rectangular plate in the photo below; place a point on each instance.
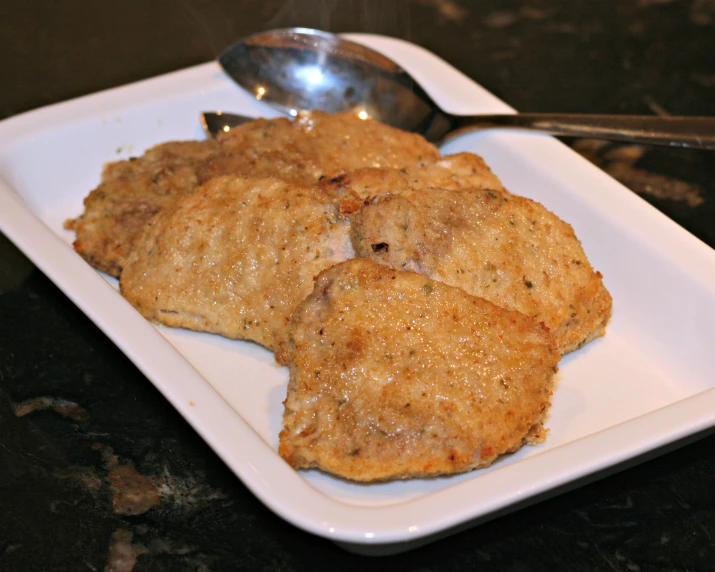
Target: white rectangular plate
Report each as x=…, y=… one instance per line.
x=648, y=383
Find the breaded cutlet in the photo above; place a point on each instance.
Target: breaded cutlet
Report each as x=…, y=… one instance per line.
x=458, y=171
x=302, y=151
x=394, y=375
x=313, y=146
x=505, y=248
x=129, y=194
x=235, y=257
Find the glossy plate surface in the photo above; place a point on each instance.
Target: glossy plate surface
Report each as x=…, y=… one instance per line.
x=647, y=384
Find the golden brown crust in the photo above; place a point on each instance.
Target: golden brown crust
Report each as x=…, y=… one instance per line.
x=458, y=171
x=235, y=257
x=394, y=375
x=315, y=145
x=302, y=151
x=507, y=249
x=130, y=193
x=435, y=361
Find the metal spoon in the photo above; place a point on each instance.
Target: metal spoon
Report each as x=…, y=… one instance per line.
x=215, y=122
x=300, y=68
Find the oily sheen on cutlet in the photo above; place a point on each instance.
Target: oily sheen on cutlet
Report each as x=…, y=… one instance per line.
x=458, y=171
x=394, y=375
x=313, y=146
x=505, y=248
x=302, y=151
x=235, y=257
x=130, y=193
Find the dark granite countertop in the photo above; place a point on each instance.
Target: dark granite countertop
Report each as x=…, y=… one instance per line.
x=97, y=470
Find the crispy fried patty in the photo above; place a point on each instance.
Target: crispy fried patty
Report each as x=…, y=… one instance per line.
x=394, y=375
x=507, y=249
x=130, y=193
x=302, y=151
x=458, y=171
x=314, y=146
x=235, y=257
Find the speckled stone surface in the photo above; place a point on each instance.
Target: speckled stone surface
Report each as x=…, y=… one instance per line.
x=98, y=472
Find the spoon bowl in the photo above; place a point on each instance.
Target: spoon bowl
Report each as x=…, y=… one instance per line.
x=296, y=69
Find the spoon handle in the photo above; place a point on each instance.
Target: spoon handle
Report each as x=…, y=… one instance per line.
x=693, y=132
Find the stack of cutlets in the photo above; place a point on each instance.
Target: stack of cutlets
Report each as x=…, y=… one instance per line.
x=421, y=308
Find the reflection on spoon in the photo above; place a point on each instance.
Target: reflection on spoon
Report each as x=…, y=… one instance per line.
x=297, y=69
